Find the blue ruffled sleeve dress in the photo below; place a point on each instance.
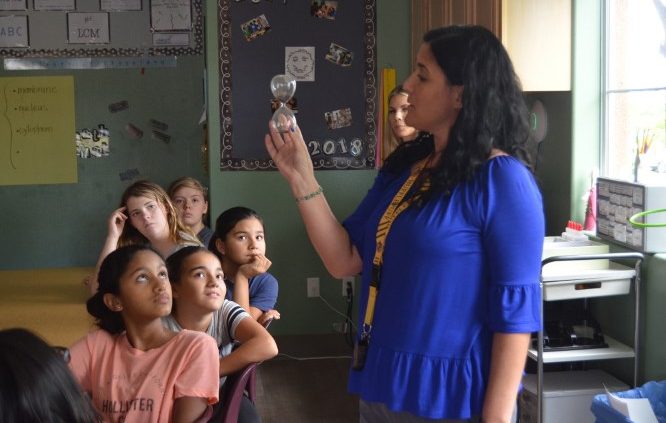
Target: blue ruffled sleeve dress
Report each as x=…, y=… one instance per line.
x=455, y=271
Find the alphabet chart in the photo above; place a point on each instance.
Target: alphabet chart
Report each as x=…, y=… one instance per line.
x=100, y=28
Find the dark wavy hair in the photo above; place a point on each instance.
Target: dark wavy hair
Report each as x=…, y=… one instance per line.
x=174, y=264
x=112, y=269
x=493, y=114
x=175, y=261
x=225, y=223
x=36, y=385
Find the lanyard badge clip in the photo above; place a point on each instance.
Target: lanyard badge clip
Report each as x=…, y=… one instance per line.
x=361, y=349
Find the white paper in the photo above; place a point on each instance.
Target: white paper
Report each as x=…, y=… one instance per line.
x=88, y=28
x=12, y=5
x=14, y=31
x=171, y=15
x=54, y=4
x=113, y=5
x=162, y=39
x=636, y=409
x=299, y=62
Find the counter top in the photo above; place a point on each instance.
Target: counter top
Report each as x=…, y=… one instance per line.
x=49, y=302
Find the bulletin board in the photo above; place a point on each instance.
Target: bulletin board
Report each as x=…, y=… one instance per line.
x=100, y=28
x=330, y=48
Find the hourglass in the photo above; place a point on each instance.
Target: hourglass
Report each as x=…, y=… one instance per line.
x=283, y=88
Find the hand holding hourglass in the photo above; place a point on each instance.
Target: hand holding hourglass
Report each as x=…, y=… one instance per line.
x=283, y=88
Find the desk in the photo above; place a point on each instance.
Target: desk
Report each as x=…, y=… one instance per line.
x=49, y=302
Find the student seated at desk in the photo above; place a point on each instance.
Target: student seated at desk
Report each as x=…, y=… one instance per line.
x=240, y=244
x=36, y=385
x=189, y=197
x=153, y=220
x=133, y=367
x=197, y=282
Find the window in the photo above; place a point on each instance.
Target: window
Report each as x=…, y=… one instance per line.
x=635, y=91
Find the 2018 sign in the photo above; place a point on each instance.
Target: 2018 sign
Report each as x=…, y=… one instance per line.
x=341, y=147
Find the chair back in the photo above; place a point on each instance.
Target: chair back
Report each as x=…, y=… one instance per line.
x=235, y=387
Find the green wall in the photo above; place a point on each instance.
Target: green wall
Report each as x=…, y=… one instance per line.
x=64, y=225
x=393, y=36
x=586, y=74
x=292, y=255
x=616, y=318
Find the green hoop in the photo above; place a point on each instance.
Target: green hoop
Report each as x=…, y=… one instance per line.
x=633, y=218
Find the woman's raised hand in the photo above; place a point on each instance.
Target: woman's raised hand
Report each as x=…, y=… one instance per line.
x=291, y=156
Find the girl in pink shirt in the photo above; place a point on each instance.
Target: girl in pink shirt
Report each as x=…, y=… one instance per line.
x=134, y=368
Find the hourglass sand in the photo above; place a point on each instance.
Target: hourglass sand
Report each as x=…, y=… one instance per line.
x=283, y=88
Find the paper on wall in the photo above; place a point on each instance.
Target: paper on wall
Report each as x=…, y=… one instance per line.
x=299, y=62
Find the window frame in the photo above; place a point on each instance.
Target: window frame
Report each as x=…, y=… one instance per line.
x=605, y=149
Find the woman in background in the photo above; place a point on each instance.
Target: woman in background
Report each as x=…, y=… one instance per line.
x=35, y=384
x=197, y=282
x=398, y=131
x=153, y=220
x=448, y=241
x=133, y=367
x=240, y=244
x=190, y=198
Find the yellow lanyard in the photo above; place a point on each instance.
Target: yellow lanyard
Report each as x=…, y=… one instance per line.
x=396, y=207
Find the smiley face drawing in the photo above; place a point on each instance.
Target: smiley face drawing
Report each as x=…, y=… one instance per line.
x=299, y=63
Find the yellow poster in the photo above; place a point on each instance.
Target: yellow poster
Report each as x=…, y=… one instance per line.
x=37, y=130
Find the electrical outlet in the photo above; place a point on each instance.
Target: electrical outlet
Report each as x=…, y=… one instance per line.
x=313, y=287
x=345, y=281
x=339, y=327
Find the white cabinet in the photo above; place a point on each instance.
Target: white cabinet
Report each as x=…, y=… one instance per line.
x=537, y=35
x=587, y=283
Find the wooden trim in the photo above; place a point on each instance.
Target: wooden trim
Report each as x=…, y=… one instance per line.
x=428, y=14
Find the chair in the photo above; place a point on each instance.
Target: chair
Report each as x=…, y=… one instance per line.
x=235, y=387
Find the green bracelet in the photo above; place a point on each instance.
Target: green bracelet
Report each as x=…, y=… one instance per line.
x=313, y=194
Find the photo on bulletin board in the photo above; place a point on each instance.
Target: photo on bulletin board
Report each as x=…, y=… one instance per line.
x=332, y=57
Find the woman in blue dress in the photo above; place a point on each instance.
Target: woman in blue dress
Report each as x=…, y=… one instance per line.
x=448, y=241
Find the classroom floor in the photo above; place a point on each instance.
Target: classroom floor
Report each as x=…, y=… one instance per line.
x=312, y=390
